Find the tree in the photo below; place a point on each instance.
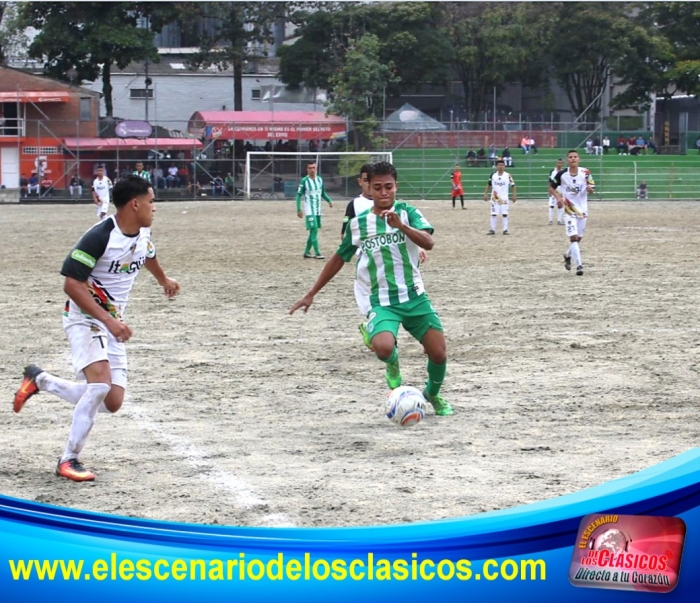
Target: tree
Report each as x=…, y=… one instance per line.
x=91, y=37
x=668, y=58
x=357, y=87
x=595, y=40
x=13, y=41
x=493, y=43
x=407, y=33
x=237, y=32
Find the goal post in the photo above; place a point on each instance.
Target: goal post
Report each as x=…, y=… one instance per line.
x=276, y=174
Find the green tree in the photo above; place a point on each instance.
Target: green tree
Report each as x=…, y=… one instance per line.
x=13, y=41
x=407, y=33
x=92, y=37
x=494, y=43
x=358, y=87
x=667, y=57
x=595, y=40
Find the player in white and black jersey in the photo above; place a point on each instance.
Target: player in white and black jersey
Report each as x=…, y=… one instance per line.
x=101, y=188
x=571, y=188
x=498, y=192
x=99, y=274
x=553, y=199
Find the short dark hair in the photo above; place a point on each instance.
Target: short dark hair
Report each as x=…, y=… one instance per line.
x=572, y=151
x=128, y=188
x=310, y=162
x=500, y=161
x=382, y=168
x=365, y=169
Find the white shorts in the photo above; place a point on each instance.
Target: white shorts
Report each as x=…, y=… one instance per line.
x=499, y=209
x=91, y=342
x=102, y=208
x=575, y=227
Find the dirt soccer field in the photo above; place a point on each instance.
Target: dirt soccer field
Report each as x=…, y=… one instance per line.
x=237, y=413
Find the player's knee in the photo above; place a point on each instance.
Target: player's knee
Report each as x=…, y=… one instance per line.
x=438, y=356
x=383, y=349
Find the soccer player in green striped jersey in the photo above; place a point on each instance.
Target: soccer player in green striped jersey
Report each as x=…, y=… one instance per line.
x=390, y=236
x=312, y=189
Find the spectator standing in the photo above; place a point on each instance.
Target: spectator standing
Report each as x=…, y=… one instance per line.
x=23, y=186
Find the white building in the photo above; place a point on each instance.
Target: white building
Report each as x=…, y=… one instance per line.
x=175, y=92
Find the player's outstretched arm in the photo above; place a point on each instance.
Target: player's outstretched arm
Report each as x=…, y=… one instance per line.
x=330, y=269
x=170, y=286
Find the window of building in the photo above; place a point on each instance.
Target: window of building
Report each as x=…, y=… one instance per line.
x=140, y=93
x=86, y=108
x=255, y=94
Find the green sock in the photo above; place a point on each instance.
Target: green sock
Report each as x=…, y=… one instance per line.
x=393, y=358
x=436, y=375
x=314, y=240
x=309, y=242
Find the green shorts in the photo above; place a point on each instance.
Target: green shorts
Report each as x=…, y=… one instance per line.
x=312, y=222
x=416, y=316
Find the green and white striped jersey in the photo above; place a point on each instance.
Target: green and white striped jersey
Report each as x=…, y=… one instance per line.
x=313, y=191
x=388, y=262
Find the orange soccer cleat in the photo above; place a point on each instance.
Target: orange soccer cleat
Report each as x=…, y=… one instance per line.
x=73, y=469
x=28, y=387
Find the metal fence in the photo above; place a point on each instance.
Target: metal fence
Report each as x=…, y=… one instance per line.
x=183, y=166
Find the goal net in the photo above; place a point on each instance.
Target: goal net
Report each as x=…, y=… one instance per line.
x=276, y=174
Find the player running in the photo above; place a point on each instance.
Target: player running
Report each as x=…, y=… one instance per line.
x=390, y=237
x=99, y=274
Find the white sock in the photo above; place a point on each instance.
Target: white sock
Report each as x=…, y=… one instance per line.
x=576, y=254
x=551, y=214
x=560, y=215
x=493, y=223
x=505, y=222
x=70, y=391
x=84, y=418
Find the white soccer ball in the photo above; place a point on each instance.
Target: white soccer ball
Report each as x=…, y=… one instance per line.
x=405, y=406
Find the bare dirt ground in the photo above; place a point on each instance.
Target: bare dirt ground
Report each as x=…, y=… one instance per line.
x=237, y=413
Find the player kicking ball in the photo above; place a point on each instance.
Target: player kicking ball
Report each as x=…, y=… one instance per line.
x=99, y=274
x=571, y=187
x=390, y=237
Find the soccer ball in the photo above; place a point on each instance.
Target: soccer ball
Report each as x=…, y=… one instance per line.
x=405, y=406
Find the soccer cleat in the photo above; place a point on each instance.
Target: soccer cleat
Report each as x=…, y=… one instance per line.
x=491, y=232
x=366, y=339
x=567, y=262
x=320, y=257
x=308, y=256
x=560, y=222
x=550, y=223
x=505, y=232
x=442, y=407
x=393, y=375
x=28, y=387
x=73, y=469
x=579, y=270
